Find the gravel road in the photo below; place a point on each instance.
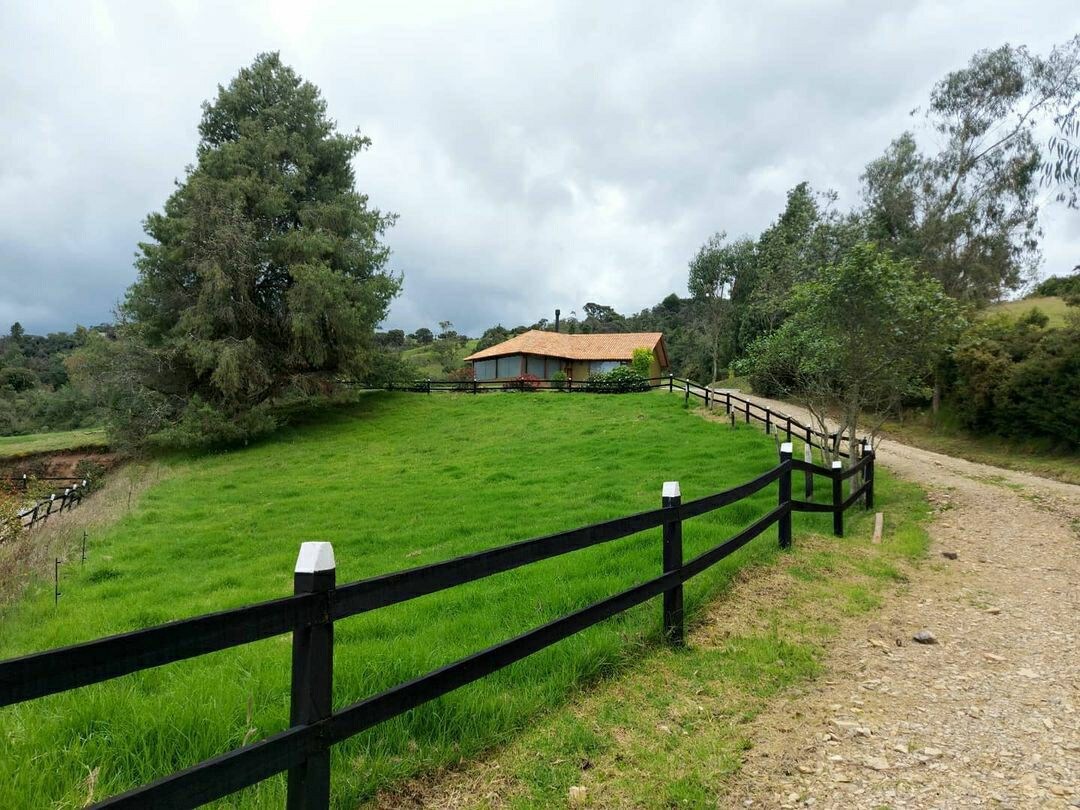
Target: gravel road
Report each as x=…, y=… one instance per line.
x=989, y=714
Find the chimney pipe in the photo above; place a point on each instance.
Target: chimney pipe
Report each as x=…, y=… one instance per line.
x=556, y=320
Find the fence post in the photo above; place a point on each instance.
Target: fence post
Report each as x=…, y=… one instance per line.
x=784, y=524
x=788, y=431
x=768, y=421
x=706, y=397
x=686, y=396
x=569, y=383
x=674, y=631
x=312, y=676
x=748, y=412
x=429, y=385
x=837, y=499
x=808, y=457
x=727, y=402
x=671, y=383
x=868, y=498
x=732, y=415
x=475, y=387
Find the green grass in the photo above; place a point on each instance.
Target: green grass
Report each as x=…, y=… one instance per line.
x=396, y=481
x=16, y=446
x=671, y=729
x=1052, y=306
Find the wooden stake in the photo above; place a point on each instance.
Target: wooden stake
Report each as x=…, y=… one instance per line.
x=879, y=523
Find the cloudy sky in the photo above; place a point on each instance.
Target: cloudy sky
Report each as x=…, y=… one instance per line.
x=539, y=155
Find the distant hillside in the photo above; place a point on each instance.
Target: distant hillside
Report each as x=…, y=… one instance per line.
x=1053, y=306
x=427, y=362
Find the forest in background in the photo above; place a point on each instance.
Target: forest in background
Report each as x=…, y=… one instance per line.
x=251, y=295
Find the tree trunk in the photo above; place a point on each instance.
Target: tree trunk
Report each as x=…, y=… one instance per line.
x=935, y=401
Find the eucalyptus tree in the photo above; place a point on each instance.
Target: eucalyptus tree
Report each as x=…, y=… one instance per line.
x=713, y=271
x=863, y=335
x=967, y=213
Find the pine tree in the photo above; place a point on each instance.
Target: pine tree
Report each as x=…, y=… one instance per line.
x=265, y=272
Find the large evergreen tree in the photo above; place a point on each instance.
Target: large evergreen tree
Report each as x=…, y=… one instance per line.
x=264, y=273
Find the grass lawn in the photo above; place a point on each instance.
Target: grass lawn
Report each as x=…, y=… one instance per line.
x=396, y=481
x=672, y=728
x=1052, y=306
x=16, y=446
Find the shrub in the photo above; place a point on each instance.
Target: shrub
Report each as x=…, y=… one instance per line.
x=462, y=378
x=558, y=380
x=1019, y=379
x=642, y=362
x=620, y=380
x=526, y=382
x=10, y=522
x=388, y=368
x=91, y=472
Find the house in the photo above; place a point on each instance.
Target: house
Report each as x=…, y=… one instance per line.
x=542, y=354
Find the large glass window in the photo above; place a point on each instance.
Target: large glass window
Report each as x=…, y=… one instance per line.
x=508, y=366
x=555, y=365
x=534, y=365
x=596, y=366
x=484, y=369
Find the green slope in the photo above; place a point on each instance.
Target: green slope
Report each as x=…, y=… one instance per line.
x=397, y=481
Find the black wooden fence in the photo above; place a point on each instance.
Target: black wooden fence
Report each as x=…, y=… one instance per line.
x=774, y=421
x=56, y=503
x=318, y=602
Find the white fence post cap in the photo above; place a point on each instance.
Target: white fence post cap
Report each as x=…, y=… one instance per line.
x=836, y=465
x=671, y=489
x=315, y=556
x=787, y=447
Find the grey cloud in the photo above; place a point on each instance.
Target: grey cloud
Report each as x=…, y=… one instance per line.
x=539, y=155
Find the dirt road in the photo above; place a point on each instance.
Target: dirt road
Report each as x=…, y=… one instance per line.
x=989, y=714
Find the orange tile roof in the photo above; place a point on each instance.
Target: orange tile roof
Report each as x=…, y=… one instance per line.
x=611, y=346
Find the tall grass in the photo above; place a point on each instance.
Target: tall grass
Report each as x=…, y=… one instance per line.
x=397, y=481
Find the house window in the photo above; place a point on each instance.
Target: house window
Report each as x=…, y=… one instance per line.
x=555, y=365
x=597, y=366
x=508, y=366
x=534, y=365
x=484, y=369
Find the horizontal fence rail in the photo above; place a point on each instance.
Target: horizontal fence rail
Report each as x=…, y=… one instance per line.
x=57, y=502
x=309, y=614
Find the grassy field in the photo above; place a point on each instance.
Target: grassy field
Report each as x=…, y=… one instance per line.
x=396, y=481
x=16, y=446
x=672, y=729
x=1051, y=305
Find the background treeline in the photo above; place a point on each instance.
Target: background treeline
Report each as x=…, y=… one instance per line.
x=35, y=391
x=265, y=274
